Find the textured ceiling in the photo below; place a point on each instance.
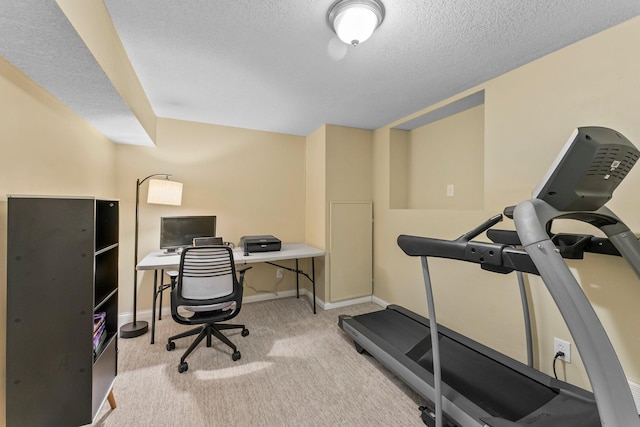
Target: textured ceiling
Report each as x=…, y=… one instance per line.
x=37, y=38
x=275, y=65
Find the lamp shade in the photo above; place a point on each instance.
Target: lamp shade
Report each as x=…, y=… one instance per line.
x=164, y=192
x=354, y=21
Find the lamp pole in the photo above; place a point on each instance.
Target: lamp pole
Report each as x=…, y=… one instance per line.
x=135, y=328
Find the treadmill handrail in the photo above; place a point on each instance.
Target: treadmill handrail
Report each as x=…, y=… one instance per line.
x=496, y=257
x=571, y=245
x=425, y=246
x=480, y=229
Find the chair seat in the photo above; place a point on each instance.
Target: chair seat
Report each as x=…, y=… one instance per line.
x=210, y=307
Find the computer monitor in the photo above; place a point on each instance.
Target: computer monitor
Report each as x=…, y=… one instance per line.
x=589, y=168
x=179, y=231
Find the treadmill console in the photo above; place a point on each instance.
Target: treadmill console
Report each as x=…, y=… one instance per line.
x=589, y=168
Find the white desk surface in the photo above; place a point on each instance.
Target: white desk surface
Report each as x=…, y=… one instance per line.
x=159, y=260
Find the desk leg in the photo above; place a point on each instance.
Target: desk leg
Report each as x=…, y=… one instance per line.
x=298, y=272
x=161, y=292
x=153, y=309
x=313, y=282
x=297, y=280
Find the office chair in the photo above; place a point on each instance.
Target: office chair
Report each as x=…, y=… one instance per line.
x=197, y=241
x=206, y=285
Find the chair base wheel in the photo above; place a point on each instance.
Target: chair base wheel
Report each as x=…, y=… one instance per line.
x=235, y=356
x=171, y=346
x=183, y=367
x=245, y=332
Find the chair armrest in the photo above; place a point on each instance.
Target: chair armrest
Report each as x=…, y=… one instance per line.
x=173, y=276
x=240, y=271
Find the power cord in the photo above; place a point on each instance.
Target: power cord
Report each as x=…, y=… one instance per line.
x=556, y=357
x=263, y=291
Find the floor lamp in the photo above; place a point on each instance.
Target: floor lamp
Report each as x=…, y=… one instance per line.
x=162, y=192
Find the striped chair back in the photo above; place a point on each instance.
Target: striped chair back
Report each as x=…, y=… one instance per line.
x=206, y=272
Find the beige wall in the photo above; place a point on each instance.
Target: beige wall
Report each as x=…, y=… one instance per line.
x=425, y=161
x=252, y=181
x=348, y=163
x=339, y=168
x=315, y=187
x=448, y=152
x=315, y=200
x=399, y=168
x=46, y=150
x=529, y=113
x=349, y=170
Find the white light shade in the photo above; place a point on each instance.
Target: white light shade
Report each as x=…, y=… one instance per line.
x=355, y=20
x=355, y=25
x=164, y=192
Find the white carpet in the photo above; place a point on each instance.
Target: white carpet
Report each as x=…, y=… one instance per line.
x=297, y=369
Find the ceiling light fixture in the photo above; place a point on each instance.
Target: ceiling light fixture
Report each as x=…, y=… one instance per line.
x=355, y=20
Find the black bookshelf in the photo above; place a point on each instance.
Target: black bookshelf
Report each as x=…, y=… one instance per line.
x=62, y=268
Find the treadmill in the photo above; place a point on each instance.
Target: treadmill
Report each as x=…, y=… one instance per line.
x=469, y=384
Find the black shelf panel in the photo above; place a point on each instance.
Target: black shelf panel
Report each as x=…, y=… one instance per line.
x=107, y=226
x=106, y=274
x=106, y=299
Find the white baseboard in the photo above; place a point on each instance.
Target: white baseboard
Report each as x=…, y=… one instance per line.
x=635, y=392
x=269, y=296
x=380, y=302
x=332, y=305
x=124, y=318
x=127, y=317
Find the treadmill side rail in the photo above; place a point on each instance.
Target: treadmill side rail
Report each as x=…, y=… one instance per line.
x=607, y=378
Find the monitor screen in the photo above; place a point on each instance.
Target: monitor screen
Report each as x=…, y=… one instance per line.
x=179, y=231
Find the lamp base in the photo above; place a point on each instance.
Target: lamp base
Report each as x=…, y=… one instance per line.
x=132, y=330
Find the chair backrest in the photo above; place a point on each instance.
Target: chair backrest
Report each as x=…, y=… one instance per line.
x=206, y=273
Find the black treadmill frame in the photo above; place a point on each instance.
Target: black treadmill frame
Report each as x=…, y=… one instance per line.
x=455, y=404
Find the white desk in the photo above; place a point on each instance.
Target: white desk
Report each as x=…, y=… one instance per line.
x=160, y=261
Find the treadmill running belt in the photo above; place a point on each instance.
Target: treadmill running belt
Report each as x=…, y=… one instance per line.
x=499, y=390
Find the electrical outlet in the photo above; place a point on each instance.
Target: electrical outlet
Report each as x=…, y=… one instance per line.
x=563, y=346
x=450, y=190
x=279, y=273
